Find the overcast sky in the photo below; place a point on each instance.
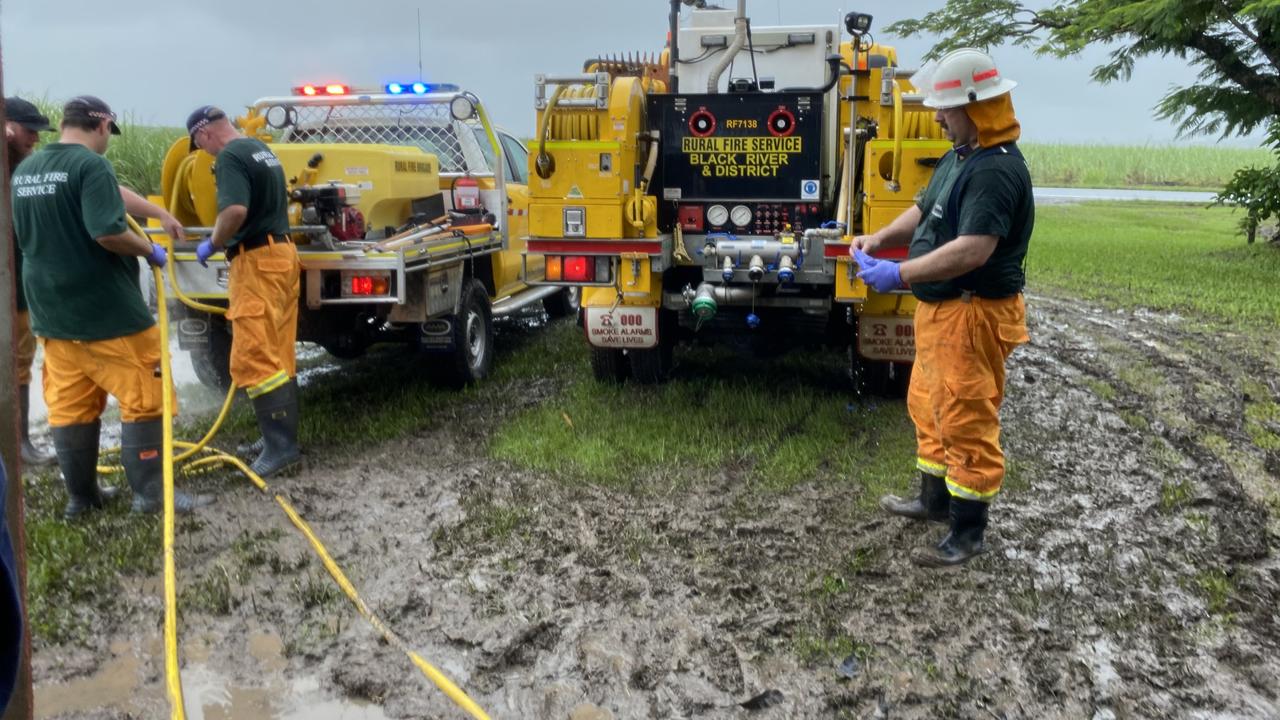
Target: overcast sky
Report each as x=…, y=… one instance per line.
x=158, y=59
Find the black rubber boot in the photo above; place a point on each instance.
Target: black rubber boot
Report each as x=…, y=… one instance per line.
x=142, y=454
x=933, y=503
x=251, y=450
x=77, y=450
x=968, y=523
x=31, y=455
x=277, y=413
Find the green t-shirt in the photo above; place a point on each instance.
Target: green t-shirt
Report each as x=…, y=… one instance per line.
x=995, y=199
x=249, y=174
x=64, y=198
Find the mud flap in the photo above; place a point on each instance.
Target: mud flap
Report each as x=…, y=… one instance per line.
x=623, y=328
x=193, y=333
x=891, y=339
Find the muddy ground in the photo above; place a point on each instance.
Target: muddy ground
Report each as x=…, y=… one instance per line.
x=1133, y=571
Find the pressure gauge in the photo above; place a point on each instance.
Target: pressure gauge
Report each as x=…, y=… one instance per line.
x=717, y=215
x=740, y=215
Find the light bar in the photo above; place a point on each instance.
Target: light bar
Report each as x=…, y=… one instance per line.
x=418, y=88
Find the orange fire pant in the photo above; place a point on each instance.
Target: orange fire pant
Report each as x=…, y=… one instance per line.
x=264, y=285
x=24, y=346
x=957, y=385
x=79, y=374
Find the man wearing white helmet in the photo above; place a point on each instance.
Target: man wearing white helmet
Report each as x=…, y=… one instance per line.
x=968, y=237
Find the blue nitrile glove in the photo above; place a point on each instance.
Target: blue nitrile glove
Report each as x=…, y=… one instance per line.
x=883, y=275
x=158, y=256
x=204, y=251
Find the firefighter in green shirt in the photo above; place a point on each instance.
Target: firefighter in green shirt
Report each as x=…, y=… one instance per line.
x=80, y=276
x=968, y=238
x=264, y=280
x=24, y=124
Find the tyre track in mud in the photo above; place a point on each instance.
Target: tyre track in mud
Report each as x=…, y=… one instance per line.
x=1132, y=570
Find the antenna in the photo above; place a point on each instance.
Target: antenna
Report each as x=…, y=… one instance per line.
x=419, y=43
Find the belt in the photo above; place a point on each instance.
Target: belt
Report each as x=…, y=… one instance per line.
x=253, y=244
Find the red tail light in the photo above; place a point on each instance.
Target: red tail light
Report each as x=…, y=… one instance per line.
x=579, y=268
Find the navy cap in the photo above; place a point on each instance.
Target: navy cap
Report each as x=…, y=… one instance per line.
x=26, y=114
x=199, y=118
x=88, y=107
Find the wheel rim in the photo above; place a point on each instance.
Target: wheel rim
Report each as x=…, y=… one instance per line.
x=475, y=338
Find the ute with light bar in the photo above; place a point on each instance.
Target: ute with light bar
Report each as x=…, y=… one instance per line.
x=725, y=195
x=403, y=225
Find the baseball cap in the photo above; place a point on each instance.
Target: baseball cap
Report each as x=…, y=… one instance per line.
x=26, y=114
x=199, y=118
x=88, y=107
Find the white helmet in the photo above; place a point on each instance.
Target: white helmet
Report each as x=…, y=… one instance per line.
x=960, y=77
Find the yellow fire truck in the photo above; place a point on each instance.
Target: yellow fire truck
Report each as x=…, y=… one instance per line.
x=713, y=190
x=410, y=214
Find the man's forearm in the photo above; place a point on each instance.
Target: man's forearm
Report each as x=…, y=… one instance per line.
x=126, y=243
x=228, y=224
x=135, y=204
x=953, y=259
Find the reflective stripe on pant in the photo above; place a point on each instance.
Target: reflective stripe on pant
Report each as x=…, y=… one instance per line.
x=957, y=385
x=264, y=286
x=79, y=374
x=24, y=346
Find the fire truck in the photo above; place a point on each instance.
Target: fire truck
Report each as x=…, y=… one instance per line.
x=409, y=210
x=711, y=191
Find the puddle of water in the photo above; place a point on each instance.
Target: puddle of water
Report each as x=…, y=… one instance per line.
x=1052, y=195
x=209, y=693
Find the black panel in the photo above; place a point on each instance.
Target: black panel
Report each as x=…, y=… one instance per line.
x=753, y=146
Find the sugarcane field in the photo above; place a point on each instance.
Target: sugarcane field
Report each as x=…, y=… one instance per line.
x=663, y=359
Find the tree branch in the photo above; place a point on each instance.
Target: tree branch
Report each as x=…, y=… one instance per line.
x=1222, y=55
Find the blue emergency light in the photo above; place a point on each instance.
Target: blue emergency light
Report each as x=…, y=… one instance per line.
x=419, y=88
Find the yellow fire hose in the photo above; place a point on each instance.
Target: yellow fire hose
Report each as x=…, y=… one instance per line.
x=213, y=457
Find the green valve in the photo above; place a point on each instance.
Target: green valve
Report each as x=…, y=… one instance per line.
x=704, y=307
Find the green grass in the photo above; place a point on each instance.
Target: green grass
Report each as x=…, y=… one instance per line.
x=73, y=569
x=1180, y=258
x=137, y=153
x=1183, y=167
x=775, y=424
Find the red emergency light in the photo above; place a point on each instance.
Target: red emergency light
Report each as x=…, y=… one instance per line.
x=329, y=89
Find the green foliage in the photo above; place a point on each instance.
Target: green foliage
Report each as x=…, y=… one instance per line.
x=1256, y=190
x=1188, y=167
x=136, y=153
x=1234, y=44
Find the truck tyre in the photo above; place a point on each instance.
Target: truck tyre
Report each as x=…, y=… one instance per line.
x=471, y=357
x=608, y=365
x=653, y=366
x=346, y=348
x=212, y=365
x=565, y=303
